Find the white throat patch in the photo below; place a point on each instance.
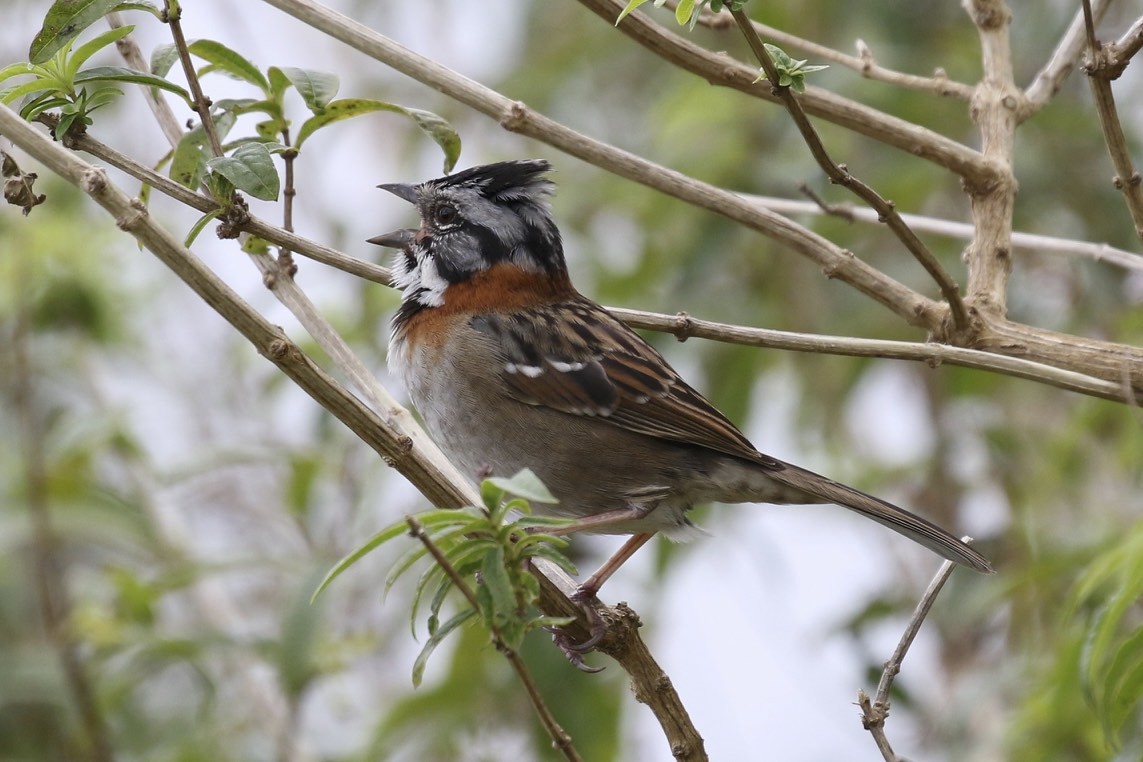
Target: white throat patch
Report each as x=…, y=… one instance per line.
x=422, y=282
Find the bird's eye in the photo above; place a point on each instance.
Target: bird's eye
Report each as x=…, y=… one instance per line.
x=445, y=214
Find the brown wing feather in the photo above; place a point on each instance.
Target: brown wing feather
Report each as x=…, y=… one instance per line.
x=597, y=366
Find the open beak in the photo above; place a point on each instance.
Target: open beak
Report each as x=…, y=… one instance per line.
x=398, y=239
x=407, y=191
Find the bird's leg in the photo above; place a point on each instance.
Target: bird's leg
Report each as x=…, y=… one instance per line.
x=589, y=587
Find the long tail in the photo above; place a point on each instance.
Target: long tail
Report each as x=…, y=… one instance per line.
x=898, y=519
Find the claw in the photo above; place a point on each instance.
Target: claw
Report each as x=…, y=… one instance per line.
x=598, y=628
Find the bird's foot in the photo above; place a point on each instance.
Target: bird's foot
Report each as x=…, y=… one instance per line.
x=596, y=626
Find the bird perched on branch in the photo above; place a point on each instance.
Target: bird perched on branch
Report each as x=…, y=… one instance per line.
x=512, y=368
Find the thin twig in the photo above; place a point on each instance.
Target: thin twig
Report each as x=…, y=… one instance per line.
x=721, y=70
x=514, y=116
x=681, y=325
x=1059, y=65
x=863, y=62
x=560, y=738
x=1124, y=49
x=873, y=713
x=202, y=104
x=1031, y=242
x=840, y=175
x=1100, y=72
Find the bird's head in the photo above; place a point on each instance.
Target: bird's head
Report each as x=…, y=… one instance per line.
x=472, y=221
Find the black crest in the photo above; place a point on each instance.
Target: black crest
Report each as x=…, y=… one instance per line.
x=504, y=181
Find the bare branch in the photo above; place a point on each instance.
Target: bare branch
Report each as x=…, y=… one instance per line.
x=994, y=108
x=516, y=117
x=873, y=714
x=1031, y=242
x=1050, y=78
x=1124, y=49
x=841, y=176
x=560, y=738
x=1101, y=69
x=682, y=325
x=863, y=62
x=724, y=71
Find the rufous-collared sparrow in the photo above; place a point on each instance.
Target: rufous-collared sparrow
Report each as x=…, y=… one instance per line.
x=512, y=368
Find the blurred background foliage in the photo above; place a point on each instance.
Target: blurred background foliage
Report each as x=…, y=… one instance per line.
x=167, y=498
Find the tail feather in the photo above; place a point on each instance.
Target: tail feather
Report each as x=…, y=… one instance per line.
x=899, y=520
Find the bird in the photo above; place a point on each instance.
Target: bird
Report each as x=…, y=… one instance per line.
x=511, y=367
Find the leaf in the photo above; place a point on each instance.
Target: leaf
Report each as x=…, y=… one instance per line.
x=317, y=88
x=140, y=6
x=437, y=638
x=199, y=226
x=163, y=58
x=27, y=88
x=91, y=47
x=437, y=128
x=188, y=164
x=279, y=83
x=627, y=9
x=251, y=169
x=63, y=22
x=16, y=69
x=684, y=10
x=123, y=74
x=386, y=534
x=525, y=484
x=495, y=577
x=229, y=62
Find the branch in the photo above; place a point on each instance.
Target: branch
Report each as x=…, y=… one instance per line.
x=863, y=62
x=1050, y=78
x=995, y=109
x=722, y=70
x=1124, y=49
x=682, y=325
x=515, y=117
x=1032, y=242
x=409, y=452
x=841, y=176
x=560, y=738
x=873, y=714
x=1101, y=69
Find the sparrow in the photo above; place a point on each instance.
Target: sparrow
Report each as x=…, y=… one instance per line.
x=510, y=368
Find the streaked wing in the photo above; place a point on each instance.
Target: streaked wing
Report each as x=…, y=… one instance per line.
x=574, y=357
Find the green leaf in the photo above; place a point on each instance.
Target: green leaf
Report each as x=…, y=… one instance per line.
x=229, y=62
x=141, y=6
x=63, y=22
x=627, y=9
x=437, y=128
x=495, y=577
x=684, y=10
x=279, y=83
x=199, y=226
x=437, y=638
x=91, y=47
x=19, y=91
x=123, y=74
x=251, y=169
x=317, y=88
x=16, y=69
x=188, y=164
x=525, y=484
x=163, y=58
x=386, y=534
